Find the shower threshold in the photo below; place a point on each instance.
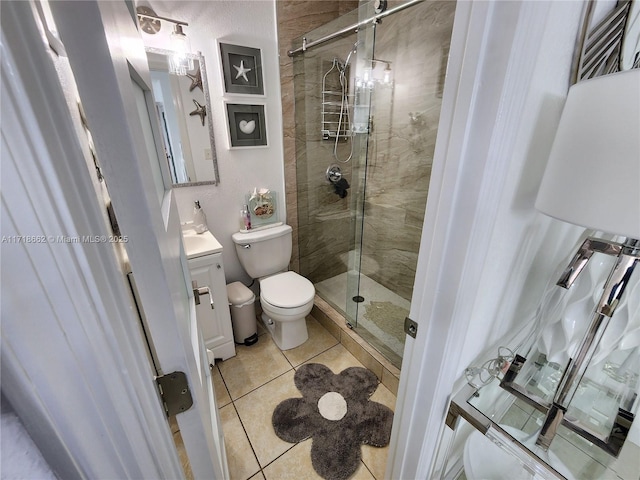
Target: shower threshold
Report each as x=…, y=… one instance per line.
x=381, y=313
x=352, y=341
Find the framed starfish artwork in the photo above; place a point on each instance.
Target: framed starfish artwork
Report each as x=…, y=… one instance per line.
x=241, y=69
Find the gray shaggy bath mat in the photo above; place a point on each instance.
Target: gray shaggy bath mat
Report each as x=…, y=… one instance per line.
x=335, y=411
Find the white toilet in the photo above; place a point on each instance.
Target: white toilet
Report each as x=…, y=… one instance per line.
x=286, y=297
x=485, y=460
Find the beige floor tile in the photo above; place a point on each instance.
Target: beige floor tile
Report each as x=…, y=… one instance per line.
x=362, y=473
x=222, y=394
x=319, y=341
x=293, y=465
x=256, y=410
x=182, y=454
x=337, y=359
x=258, y=476
x=296, y=465
x=384, y=396
x=261, y=328
x=173, y=423
x=240, y=458
x=375, y=459
x=253, y=366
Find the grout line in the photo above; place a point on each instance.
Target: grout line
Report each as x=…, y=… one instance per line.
x=225, y=386
x=266, y=383
x=248, y=440
x=283, y=454
x=365, y=465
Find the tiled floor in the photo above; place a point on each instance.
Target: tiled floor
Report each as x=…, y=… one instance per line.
x=250, y=385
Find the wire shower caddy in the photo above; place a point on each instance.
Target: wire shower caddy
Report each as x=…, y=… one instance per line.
x=335, y=104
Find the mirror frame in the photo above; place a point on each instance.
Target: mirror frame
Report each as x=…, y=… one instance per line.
x=207, y=100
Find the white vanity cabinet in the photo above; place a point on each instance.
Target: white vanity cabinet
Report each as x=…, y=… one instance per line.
x=207, y=270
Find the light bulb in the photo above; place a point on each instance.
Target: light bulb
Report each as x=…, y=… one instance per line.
x=387, y=75
x=180, y=62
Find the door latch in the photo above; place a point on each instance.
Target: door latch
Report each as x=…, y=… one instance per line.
x=197, y=291
x=410, y=327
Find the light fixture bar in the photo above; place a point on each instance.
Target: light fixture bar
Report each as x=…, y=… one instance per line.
x=377, y=60
x=150, y=22
x=166, y=19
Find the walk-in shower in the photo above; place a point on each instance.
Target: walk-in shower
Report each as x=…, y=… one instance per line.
x=368, y=103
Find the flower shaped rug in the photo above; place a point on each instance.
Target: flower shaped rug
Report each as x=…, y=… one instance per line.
x=335, y=411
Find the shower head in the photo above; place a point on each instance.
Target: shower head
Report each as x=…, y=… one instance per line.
x=351, y=52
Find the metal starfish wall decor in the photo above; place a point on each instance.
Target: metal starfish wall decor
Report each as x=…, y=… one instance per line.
x=200, y=110
x=196, y=80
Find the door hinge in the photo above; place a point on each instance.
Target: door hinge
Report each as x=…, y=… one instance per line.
x=175, y=393
x=410, y=327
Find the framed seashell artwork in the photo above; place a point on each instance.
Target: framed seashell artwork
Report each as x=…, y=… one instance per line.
x=246, y=125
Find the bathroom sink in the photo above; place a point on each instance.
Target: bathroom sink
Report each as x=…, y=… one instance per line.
x=199, y=244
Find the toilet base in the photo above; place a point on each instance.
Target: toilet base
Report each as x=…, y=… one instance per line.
x=288, y=334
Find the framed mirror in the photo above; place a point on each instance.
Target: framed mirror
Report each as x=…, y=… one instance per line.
x=184, y=110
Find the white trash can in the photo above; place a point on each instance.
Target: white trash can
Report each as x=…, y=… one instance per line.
x=243, y=313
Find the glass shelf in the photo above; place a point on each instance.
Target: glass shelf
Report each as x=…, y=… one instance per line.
x=512, y=425
x=562, y=392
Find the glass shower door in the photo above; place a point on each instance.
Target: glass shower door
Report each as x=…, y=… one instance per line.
x=361, y=87
x=361, y=249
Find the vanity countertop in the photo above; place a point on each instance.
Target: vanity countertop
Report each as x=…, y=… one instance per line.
x=199, y=244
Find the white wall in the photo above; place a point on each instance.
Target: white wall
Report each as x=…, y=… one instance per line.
x=249, y=23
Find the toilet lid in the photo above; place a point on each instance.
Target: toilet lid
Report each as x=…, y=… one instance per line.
x=287, y=290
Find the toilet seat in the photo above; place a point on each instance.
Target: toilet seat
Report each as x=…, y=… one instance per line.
x=289, y=313
x=484, y=460
x=287, y=291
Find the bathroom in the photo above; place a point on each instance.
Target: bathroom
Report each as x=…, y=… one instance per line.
x=503, y=188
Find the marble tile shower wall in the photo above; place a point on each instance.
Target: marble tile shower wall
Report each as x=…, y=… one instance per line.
x=324, y=218
x=295, y=18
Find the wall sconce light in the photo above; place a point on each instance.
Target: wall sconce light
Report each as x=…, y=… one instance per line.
x=181, y=61
x=592, y=180
x=386, y=74
x=369, y=77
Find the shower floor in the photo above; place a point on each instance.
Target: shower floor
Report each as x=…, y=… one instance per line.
x=380, y=317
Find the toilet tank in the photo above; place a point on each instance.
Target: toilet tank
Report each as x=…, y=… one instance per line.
x=264, y=252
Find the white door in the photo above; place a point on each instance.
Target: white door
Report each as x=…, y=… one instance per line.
x=108, y=59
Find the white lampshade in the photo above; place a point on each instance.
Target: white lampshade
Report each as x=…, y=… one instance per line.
x=593, y=175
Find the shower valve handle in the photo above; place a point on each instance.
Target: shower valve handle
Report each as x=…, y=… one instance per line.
x=334, y=173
